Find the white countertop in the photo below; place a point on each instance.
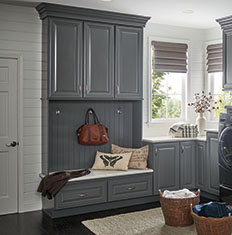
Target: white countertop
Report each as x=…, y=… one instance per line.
x=97, y=174
x=171, y=139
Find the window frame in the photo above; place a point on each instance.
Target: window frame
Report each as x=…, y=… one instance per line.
x=208, y=85
x=185, y=87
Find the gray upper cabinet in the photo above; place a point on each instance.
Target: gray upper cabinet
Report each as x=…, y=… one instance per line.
x=99, y=60
x=65, y=58
x=212, y=163
x=226, y=25
x=201, y=177
x=187, y=165
x=166, y=166
x=227, y=60
x=128, y=67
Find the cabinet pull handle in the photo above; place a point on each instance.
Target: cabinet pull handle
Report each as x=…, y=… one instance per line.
x=118, y=91
x=182, y=149
x=80, y=89
x=131, y=188
x=156, y=151
x=83, y=194
x=86, y=89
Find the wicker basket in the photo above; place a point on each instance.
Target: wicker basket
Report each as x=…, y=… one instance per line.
x=177, y=211
x=212, y=226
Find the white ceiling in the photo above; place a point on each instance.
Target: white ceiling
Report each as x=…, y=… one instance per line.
x=162, y=11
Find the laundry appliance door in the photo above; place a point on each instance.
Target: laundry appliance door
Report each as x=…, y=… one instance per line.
x=226, y=194
x=225, y=148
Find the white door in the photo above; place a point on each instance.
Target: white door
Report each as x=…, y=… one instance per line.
x=8, y=134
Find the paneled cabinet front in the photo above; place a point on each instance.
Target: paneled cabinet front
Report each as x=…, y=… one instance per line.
x=128, y=65
x=65, y=58
x=187, y=165
x=99, y=60
x=227, y=60
x=166, y=166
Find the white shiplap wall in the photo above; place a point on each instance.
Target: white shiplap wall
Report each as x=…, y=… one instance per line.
x=196, y=67
x=20, y=34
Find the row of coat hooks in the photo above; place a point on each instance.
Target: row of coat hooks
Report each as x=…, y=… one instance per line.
x=58, y=111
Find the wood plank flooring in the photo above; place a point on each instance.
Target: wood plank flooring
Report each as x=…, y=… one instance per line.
x=38, y=223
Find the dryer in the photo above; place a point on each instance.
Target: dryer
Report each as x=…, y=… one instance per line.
x=225, y=157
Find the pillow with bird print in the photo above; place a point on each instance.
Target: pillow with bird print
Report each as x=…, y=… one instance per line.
x=109, y=161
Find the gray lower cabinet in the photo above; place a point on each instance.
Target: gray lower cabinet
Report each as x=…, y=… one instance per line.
x=65, y=58
x=128, y=64
x=166, y=164
x=81, y=193
x=99, y=60
x=187, y=165
x=132, y=186
x=212, y=167
x=201, y=163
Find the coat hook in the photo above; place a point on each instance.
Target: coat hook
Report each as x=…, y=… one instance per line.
x=58, y=111
x=90, y=112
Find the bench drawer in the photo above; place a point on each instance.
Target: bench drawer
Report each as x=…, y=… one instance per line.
x=81, y=193
x=120, y=188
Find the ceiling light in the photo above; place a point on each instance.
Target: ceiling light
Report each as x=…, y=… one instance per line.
x=188, y=11
x=106, y=0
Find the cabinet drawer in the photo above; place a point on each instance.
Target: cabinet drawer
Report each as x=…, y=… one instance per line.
x=81, y=193
x=121, y=188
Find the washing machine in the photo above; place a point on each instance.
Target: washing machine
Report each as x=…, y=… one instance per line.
x=225, y=156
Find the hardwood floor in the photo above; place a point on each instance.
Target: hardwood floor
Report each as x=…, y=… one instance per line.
x=38, y=223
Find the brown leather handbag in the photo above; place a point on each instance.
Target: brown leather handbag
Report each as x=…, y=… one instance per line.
x=92, y=134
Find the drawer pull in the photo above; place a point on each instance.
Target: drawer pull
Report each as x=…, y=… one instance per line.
x=131, y=188
x=83, y=194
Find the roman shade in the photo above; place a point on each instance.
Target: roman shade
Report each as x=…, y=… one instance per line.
x=170, y=57
x=214, y=58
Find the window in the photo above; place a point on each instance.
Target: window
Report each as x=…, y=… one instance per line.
x=215, y=75
x=215, y=86
x=169, y=75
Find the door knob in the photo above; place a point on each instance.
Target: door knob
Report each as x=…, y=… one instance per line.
x=12, y=144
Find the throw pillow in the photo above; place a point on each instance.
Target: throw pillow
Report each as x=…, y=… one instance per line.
x=108, y=161
x=138, y=158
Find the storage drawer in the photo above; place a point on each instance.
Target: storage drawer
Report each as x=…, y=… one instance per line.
x=120, y=188
x=81, y=193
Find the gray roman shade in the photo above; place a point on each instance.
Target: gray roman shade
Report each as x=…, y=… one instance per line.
x=170, y=57
x=214, y=58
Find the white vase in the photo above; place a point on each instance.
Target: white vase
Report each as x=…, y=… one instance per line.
x=201, y=123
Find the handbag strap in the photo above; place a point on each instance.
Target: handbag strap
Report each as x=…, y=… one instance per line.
x=95, y=117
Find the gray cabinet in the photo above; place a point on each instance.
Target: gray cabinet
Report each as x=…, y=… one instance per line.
x=81, y=193
x=212, y=167
x=166, y=166
x=121, y=188
x=99, y=60
x=187, y=165
x=65, y=58
x=227, y=60
x=226, y=25
x=201, y=164
x=128, y=64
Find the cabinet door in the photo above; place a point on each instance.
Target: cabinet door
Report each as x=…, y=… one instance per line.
x=65, y=59
x=166, y=166
x=201, y=178
x=227, y=60
x=187, y=165
x=212, y=163
x=129, y=56
x=99, y=60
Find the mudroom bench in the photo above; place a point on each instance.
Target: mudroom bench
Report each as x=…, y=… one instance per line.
x=101, y=190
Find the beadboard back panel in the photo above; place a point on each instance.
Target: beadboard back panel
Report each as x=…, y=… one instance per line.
x=121, y=118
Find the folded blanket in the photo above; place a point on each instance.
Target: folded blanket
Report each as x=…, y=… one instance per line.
x=183, y=193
